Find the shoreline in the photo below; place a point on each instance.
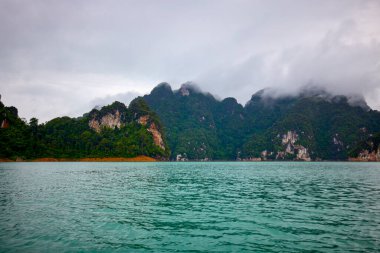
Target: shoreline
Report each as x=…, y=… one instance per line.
x=141, y=158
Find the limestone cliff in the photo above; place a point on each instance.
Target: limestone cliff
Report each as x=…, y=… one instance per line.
x=4, y=123
x=367, y=156
x=110, y=120
x=152, y=128
x=368, y=150
x=286, y=147
x=288, y=141
x=289, y=138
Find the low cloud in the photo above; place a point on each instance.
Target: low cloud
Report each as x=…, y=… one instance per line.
x=62, y=57
x=125, y=98
x=340, y=63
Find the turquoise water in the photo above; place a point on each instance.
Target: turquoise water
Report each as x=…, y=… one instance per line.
x=190, y=207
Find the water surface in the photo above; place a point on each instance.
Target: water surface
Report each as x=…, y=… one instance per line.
x=190, y=207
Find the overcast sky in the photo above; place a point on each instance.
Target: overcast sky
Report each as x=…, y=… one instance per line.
x=64, y=57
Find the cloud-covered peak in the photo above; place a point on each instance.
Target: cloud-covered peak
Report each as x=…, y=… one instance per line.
x=58, y=57
x=162, y=89
x=271, y=95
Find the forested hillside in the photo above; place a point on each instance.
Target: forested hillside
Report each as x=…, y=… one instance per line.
x=187, y=124
x=313, y=125
x=112, y=131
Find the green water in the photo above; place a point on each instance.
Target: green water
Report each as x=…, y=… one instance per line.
x=190, y=207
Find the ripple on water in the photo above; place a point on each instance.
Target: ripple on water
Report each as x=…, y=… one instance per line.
x=167, y=207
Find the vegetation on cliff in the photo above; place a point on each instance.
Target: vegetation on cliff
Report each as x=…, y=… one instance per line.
x=366, y=150
x=313, y=125
x=112, y=131
x=323, y=126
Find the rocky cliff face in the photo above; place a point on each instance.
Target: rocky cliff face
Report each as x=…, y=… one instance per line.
x=7, y=115
x=289, y=149
x=118, y=115
x=368, y=156
x=288, y=141
x=368, y=151
x=184, y=91
x=152, y=128
x=289, y=138
x=4, y=123
x=110, y=120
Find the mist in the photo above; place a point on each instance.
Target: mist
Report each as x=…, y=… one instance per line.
x=63, y=58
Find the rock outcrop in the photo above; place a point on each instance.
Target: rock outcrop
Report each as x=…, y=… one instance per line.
x=288, y=140
x=110, y=120
x=4, y=123
x=181, y=158
x=152, y=128
x=184, y=91
x=301, y=153
x=367, y=156
x=368, y=150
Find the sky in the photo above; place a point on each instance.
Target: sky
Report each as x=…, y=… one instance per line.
x=62, y=58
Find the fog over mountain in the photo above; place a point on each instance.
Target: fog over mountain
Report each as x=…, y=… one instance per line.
x=65, y=57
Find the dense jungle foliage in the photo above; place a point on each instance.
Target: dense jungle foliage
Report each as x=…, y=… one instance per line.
x=200, y=126
x=197, y=126
x=67, y=137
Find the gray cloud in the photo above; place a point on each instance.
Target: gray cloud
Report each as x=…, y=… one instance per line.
x=125, y=98
x=58, y=57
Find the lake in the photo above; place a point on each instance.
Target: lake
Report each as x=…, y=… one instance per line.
x=190, y=207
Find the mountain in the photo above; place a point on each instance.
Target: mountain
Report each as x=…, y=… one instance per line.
x=324, y=126
x=312, y=125
x=197, y=125
x=111, y=131
x=188, y=124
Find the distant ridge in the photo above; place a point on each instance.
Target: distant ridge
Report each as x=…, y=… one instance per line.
x=189, y=124
x=323, y=126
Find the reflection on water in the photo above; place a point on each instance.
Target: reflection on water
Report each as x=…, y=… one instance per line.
x=226, y=206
